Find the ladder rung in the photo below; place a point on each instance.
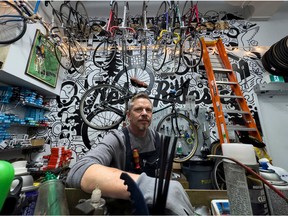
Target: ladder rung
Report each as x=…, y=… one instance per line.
x=223, y=70
x=230, y=96
x=226, y=83
x=240, y=128
x=236, y=111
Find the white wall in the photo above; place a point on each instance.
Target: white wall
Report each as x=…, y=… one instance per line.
x=13, y=71
x=275, y=28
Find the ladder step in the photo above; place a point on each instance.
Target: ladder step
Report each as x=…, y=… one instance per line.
x=240, y=128
x=222, y=70
x=236, y=111
x=230, y=96
x=226, y=83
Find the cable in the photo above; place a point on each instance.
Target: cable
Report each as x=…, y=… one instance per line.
x=253, y=173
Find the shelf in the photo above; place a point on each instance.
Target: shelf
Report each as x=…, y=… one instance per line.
x=273, y=88
x=23, y=149
x=27, y=125
x=10, y=79
x=35, y=106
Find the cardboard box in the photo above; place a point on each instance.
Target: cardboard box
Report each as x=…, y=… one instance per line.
x=37, y=142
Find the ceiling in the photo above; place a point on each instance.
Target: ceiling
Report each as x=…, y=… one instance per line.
x=253, y=10
x=249, y=10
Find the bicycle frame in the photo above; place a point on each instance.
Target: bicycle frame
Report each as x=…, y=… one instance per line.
x=193, y=13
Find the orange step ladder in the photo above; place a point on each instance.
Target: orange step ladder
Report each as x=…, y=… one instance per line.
x=219, y=66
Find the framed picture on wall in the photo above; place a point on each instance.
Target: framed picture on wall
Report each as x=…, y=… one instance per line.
x=42, y=62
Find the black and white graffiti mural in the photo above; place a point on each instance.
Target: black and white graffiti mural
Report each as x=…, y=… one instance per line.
x=68, y=129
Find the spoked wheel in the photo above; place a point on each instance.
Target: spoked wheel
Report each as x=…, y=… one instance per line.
x=62, y=55
x=146, y=76
x=160, y=21
x=82, y=18
x=104, y=53
x=103, y=107
x=142, y=52
x=159, y=54
x=218, y=176
x=186, y=11
x=12, y=24
x=66, y=16
x=186, y=133
x=115, y=14
x=192, y=49
x=78, y=56
x=61, y=49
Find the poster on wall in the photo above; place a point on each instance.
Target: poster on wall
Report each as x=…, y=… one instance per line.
x=42, y=63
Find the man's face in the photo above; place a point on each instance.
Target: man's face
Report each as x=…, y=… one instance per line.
x=141, y=114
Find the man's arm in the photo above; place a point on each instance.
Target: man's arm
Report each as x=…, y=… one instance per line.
x=107, y=179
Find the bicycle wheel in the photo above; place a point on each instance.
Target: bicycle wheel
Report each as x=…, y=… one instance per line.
x=82, y=18
x=104, y=53
x=186, y=11
x=218, y=176
x=193, y=50
x=12, y=24
x=186, y=133
x=62, y=55
x=78, y=56
x=103, y=107
x=142, y=40
x=176, y=57
x=137, y=72
x=160, y=19
x=159, y=54
x=114, y=21
x=183, y=69
x=65, y=12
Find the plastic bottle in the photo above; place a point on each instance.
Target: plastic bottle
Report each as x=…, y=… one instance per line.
x=6, y=178
x=179, y=150
x=97, y=202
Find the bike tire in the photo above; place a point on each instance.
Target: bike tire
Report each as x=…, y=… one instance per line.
x=103, y=107
x=160, y=20
x=186, y=12
x=115, y=14
x=12, y=30
x=65, y=12
x=188, y=137
x=82, y=18
x=60, y=48
x=176, y=57
x=218, y=175
x=183, y=69
x=159, y=53
x=78, y=56
x=137, y=72
x=143, y=52
x=104, y=53
x=63, y=56
x=192, y=48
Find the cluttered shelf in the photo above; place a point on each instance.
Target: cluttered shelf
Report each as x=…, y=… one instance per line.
x=23, y=149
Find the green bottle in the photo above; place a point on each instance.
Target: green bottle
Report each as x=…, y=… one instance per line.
x=6, y=178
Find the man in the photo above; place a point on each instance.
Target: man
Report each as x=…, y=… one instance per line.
x=103, y=165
